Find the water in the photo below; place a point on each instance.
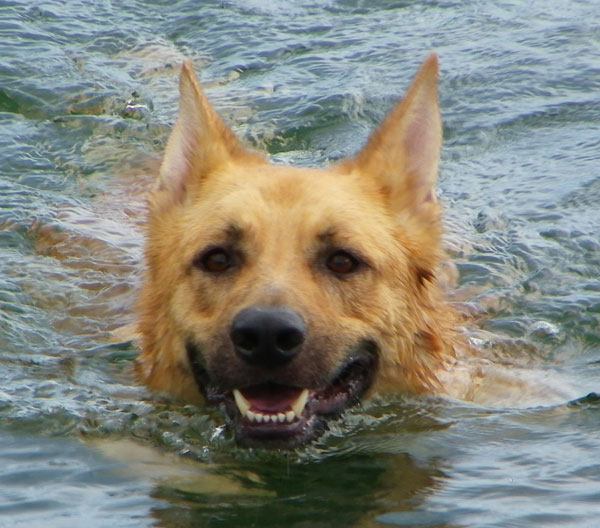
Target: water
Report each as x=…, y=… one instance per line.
x=87, y=96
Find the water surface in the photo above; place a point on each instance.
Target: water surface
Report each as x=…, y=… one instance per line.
x=87, y=98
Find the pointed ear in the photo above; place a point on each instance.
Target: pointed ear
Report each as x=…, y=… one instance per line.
x=402, y=154
x=199, y=142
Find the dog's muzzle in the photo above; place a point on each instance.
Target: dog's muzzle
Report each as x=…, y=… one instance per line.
x=271, y=411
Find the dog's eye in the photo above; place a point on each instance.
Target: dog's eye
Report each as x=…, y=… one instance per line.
x=341, y=262
x=215, y=260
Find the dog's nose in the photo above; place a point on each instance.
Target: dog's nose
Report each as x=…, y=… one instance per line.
x=267, y=336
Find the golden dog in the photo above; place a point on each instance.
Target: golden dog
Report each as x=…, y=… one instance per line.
x=287, y=294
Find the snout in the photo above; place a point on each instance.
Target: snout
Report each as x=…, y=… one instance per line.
x=282, y=384
x=267, y=337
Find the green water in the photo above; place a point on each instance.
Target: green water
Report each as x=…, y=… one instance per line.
x=87, y=97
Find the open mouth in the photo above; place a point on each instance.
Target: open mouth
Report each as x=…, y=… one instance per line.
x=275, y=415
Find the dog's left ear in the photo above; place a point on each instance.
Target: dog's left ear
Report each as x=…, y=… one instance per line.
x=402, y=154
x=199, y=143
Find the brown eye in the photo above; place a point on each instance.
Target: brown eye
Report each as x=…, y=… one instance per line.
x=215, y=260
x=342, y=263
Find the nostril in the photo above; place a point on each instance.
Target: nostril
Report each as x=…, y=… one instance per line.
x=245, y=339
x=289, y=339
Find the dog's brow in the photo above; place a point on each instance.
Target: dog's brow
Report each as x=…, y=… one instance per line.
x=233, y=232
x=334, y=236
x=337, y=235
x=327, y=235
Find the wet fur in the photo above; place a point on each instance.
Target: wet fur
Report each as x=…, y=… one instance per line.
x=281, y=221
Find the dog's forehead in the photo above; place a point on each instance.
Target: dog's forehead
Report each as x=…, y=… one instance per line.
x=312, y=200
x=285, y=211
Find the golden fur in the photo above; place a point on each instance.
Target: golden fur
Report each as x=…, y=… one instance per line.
x=380, y=204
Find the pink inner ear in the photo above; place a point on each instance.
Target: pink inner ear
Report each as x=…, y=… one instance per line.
x=422, y=151
x=175, y=167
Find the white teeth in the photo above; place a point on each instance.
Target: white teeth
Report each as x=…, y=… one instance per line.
x=242, y=403
x=299, y=404
x=281, y=417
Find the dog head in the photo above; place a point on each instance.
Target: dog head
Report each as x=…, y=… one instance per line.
x=286, y=294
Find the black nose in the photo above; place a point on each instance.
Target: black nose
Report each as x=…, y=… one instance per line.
x=267, y=336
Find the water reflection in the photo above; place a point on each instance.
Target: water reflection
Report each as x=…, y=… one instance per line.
x=338, y=491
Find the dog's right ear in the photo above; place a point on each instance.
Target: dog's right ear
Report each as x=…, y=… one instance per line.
x=199, y=143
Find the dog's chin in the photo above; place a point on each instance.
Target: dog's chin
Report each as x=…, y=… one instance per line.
x=273, y=415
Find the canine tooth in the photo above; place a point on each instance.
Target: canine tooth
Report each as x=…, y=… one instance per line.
x=242, y=403
x=299, y=404
x=281, y=417
x=289, y=416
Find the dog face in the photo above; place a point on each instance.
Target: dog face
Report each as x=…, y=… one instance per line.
x=287, y=294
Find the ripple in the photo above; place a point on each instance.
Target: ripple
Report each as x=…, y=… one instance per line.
x=87, y=98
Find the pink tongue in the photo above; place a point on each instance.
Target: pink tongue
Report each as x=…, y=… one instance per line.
x=271, y=398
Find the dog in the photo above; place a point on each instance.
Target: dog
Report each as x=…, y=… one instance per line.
x=287, y=294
